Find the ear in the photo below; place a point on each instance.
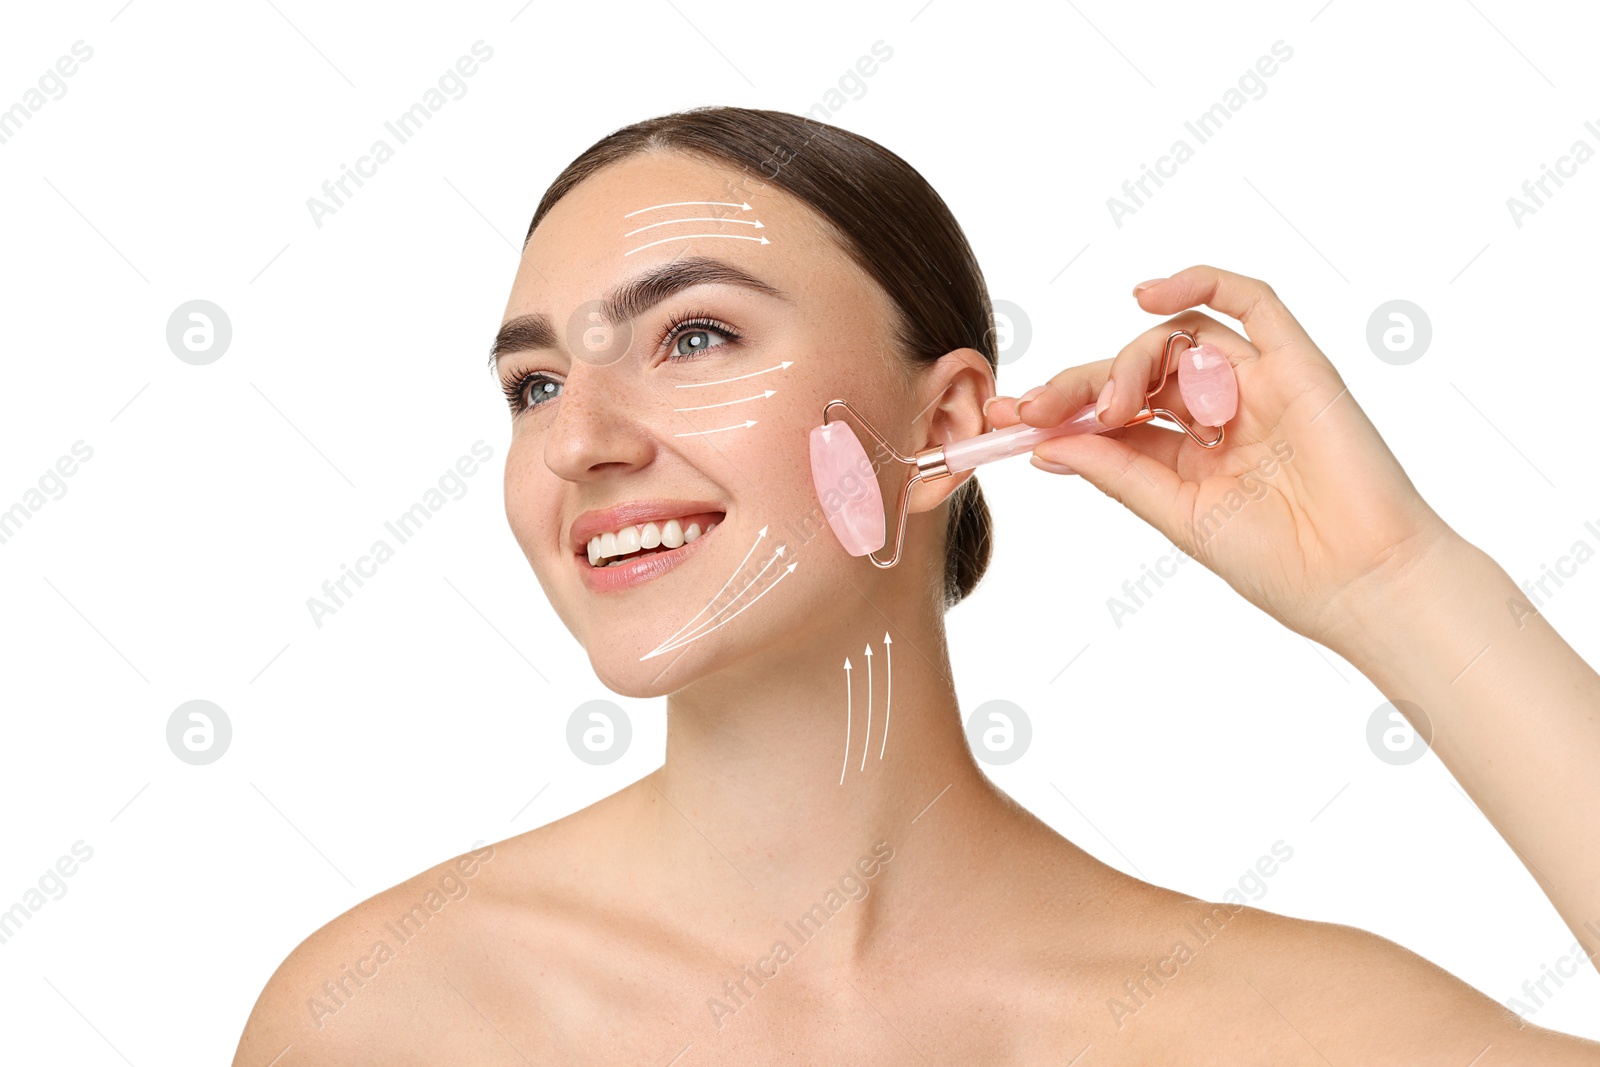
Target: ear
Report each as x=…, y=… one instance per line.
x=952, y=392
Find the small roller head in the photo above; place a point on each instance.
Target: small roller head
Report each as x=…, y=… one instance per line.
x=1207, y=384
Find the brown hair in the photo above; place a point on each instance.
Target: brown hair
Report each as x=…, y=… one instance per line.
x=885, y=216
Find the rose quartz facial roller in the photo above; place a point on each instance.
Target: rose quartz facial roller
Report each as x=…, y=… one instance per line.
x=846, y=479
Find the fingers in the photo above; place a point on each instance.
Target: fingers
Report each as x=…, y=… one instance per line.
x=1063, y=394
x=1138, y=465
x=1266, y=320
x=1131, y=373
x=1249, y=300
x=1155, y=440
x=1138, y=366
x=1137, y=473
x=1001, y=411
x=1139, y=468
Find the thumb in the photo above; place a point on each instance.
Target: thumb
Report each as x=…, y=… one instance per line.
x=1126, y=474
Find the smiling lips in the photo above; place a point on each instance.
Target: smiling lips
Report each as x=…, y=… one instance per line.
x=637, y=513
x=643, y=565
x=636, y=541
x=607, y=548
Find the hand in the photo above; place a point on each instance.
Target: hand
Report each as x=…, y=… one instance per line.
x=1302, y=509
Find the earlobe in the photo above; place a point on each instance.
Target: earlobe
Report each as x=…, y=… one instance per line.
x=929, y=495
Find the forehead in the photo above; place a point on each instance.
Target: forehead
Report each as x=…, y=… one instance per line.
x=653, y=208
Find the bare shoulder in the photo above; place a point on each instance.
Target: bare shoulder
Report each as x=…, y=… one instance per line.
x=515, y=952
x=470, y=954
x=1319, y=991
x=342, y=994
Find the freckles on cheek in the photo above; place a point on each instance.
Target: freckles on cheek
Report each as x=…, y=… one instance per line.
x=532, y=500
x=781, y=469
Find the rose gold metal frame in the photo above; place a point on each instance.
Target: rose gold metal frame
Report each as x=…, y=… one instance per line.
x=930, y=462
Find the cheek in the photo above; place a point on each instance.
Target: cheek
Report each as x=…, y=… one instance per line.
x=781, y=462
x=530, y=497
x=780, y=491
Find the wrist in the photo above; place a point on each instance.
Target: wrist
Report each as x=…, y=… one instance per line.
x=1444, y=579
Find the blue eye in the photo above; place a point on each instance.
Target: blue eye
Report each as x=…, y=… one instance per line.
x=695, y=336
x=687, y=336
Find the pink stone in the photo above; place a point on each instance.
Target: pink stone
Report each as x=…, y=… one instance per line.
x=847, y=487
x=1207, y=384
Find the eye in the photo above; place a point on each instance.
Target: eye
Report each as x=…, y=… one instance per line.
x=518, y=388
x=687, y=337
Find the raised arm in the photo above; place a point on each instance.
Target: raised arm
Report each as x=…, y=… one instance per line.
x=1512, y=710
x=1338, y=545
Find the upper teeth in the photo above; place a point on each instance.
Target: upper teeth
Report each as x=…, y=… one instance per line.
x=649, y=535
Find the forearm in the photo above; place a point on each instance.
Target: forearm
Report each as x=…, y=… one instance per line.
x=1515, y=713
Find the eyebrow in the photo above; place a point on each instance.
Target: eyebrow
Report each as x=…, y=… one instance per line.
x=629, y=300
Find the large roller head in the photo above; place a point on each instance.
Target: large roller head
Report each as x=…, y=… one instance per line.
x=847, y=486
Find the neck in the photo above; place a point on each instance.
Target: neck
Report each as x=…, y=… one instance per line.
x=750, y=797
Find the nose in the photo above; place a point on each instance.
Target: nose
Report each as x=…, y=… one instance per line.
x=597, y=428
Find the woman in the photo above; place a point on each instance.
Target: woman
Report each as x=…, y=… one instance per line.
x=666, y=351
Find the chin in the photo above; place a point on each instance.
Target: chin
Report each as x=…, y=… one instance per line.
x=625, y=674
x=781, y=622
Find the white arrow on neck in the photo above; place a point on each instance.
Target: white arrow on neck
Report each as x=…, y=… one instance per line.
x=846, y=719
x=867, y=744
x=888, y=666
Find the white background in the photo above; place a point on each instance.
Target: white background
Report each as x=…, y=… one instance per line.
x=1178, y=746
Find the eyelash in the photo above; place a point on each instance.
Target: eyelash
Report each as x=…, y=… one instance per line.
x=516, y=386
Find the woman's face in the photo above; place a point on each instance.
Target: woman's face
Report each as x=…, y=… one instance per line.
x=695, y=400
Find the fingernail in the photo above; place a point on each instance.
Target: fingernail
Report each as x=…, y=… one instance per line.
x=1145, y=285
x=986, y=404
x=1029, y=397
x=1106, y=392
x=1052, y=467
